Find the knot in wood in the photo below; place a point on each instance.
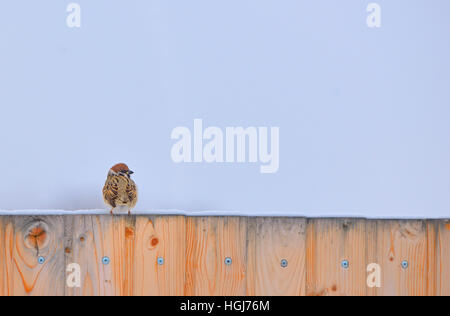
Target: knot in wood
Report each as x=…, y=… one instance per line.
x=153, y=241
x=129, y=233
x=36, y=236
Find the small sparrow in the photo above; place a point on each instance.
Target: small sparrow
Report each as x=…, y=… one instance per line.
x=120, y=190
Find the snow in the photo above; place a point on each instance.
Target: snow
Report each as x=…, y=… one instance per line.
x=209, y=213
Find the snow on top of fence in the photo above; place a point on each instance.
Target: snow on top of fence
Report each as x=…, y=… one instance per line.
x=208, y=213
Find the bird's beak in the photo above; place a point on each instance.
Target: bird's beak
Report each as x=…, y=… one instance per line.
x=130, y=172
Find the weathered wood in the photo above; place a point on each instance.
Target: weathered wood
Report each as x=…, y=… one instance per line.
x=194, y=251
x=276, y=257
x=432, y=258
x=25, y=240
x=209, y=241
x=99, y=237
x=163, y=238
x=4, y=269
x=397, y=242
x=442, y=263
x=329, y=244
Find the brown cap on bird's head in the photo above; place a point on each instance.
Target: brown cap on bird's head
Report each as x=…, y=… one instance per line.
x=121, y=167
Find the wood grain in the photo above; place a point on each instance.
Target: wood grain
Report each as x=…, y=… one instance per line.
x=194, y=250
x=5, y=272
x=24, y=241
x=272, y=240
x=162, y=237
x=209, y=241
x=442, y=251
x=398, y=241
x=329, y=243
x=97, y=237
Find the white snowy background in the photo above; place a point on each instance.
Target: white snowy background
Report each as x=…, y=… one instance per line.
x=364, y=114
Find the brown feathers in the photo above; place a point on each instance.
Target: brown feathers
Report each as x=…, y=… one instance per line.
x=120, y=167
x=119, y=189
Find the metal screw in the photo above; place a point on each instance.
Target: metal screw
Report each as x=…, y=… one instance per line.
x=228, y=261
x=106, y=260
x=345, y=264
x=405, y=264
x=41, y=260
x=284, y=263
x=160, y=261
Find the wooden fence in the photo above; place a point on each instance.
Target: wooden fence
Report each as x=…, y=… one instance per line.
x=177, y=255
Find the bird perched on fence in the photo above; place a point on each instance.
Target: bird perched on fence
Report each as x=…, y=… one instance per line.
x=120, y=191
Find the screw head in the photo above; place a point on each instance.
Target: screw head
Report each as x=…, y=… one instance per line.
x=405, y=264
x=106, y=260
x=345, y=264
x=228, y=261
x=284, y=263
x=160, y=261
x=41, y=260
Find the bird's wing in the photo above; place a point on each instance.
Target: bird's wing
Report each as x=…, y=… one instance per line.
x=111, y=192
x=132, y=191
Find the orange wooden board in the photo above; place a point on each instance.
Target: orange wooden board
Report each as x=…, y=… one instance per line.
x=209, y=242
x=394, y=243
x=329, y=243
x=442, y=258
x=32, y=261
x=177, y=255
x=276, y=256
x=96, y=239
x=160, y=255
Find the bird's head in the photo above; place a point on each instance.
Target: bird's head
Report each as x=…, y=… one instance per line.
x=121, y=169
